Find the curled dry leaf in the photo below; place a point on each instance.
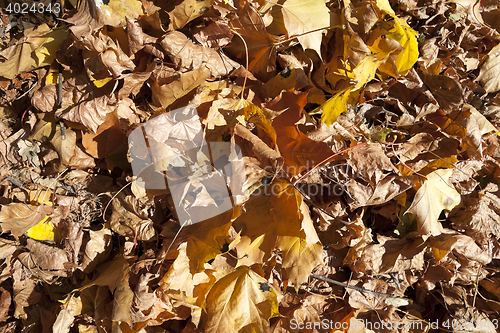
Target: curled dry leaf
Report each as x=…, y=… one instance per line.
x=102, y=53
x=187, y=55
x=127, y=223
x=445, y=90
x=82, y=102
x=187, y=11
x=370, y=162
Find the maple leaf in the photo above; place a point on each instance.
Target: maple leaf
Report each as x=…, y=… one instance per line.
x=436, y=194
x=241, y=299
x=278, y=220
x=256, y=41
x=306, y=19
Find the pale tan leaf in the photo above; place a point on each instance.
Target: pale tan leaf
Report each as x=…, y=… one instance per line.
x=19, y=217
x=306, y=19
x=489, y=75
x=187, y=11
x=436, y=194
x=122, y=300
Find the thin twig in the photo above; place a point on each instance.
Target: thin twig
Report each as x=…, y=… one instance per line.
x=362, y=290
x=326, y=159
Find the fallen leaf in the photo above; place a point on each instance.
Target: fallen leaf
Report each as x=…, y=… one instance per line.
x=187, y=11
x=256, y=41
x=306, y=20
x=44, y=231
x=334, y=106
x=489, y=75
x=122, y=300
x=20, y=217
x=36, y=49
x=115, y=13
x=437, y=193
x=241, y=299
x=44, y=261
x=187, y=55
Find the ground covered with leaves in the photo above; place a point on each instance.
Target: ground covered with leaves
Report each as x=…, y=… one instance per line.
x=369, y=136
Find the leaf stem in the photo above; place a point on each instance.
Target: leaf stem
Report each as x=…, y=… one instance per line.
x=328, y=158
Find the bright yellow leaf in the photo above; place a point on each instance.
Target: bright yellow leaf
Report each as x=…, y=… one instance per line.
x=333, y=107
x=386, y=7
x=101, y=83
x=366, y=69
x=407, y=37
x=399, y=31
x=44, y=231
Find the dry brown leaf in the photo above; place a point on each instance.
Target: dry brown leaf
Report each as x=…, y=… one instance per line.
x=480, y=215
x=187, y=11
x=461, y=247
x=183, y=286
x=96, y=250
x=108, y=142
x=103, y=56
x=44, y=261
x=129, y=224
x=66, y=148
x=166, y=92
x=82, y=102
x=274, y=219
x=122, y=300
x=445, y=90
x=300, y=152
x=258, y=42
x=489, y=75
x=85, y=19
x=384, y=191
x=390, y=256
x=187, y=55
x=24, y=293
x=5, y=301
x=370, y=162
x=19, y=217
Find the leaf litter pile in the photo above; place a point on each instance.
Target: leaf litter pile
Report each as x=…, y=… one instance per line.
x=369, y=136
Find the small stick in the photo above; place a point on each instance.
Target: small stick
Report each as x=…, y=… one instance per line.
x=326, y=159
x=362, y=290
